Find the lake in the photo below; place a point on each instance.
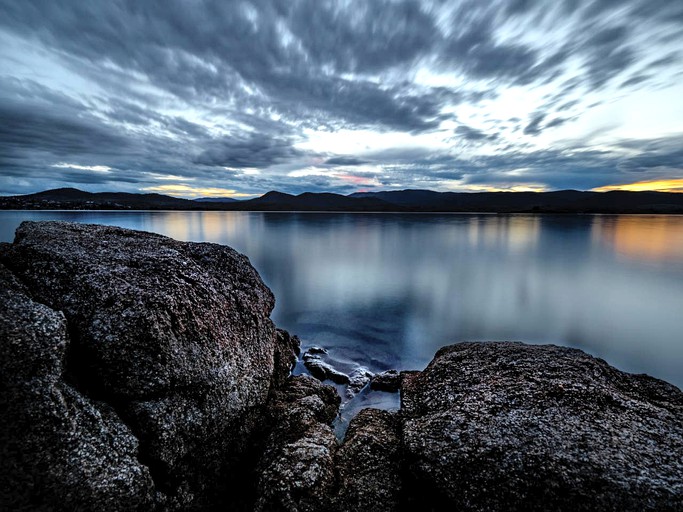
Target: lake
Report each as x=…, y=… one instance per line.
x=387, y=290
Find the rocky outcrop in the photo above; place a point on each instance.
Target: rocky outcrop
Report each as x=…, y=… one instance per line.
x=297, y=470
x=507, y=426
x=493, y=426
x=304, y=469
x=156, y=360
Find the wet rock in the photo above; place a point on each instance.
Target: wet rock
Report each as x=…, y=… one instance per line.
x=316, y=350
x=297, y=470
x=323, y=370
x=174, y=336
x=389, y=381
x=507, y=426
x=369, y=463
x=59, y=450
x=358, y=379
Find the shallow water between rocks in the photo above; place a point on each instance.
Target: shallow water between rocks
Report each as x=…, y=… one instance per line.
x=387, y=290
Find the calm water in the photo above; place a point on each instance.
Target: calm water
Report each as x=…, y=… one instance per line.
x=387, y=290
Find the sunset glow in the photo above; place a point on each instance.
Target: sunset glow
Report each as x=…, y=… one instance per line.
x=673, y=185
x=188, y=191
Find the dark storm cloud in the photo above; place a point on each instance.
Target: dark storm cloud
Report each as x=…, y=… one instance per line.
x=472, y=134
x=253, y=150
x=26, y=129
x=344, y=160
x=189, y=88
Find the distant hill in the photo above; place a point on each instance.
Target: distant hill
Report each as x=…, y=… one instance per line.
x=74, y=199
x=216, y=200
x=308, y=201
x=563, y=201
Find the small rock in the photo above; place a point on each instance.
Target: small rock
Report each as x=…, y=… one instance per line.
x=322, y=370
x=389, y=381
x=358, y=379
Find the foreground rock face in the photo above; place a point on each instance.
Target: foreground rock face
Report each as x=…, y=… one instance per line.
x=297, y=470
x=304, y=469
x=507, y=426
x=369, y=463
x=57, y=447
x=490, y=426
x=132, y=337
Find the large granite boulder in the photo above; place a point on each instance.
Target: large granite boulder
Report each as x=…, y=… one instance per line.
x=59, y=450
x=508, y=426
x=173, y=338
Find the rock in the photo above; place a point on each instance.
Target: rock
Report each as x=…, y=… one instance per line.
x=369, y=463
x=59, y=450
x=297, y=470
x=174, y=337
x=358, y=379
x=389, y=381
x=287, y=349
x=322, y=370
x=316, y=350
x=507, y=426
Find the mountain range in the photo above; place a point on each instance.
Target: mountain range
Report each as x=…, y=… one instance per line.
x=563, y=201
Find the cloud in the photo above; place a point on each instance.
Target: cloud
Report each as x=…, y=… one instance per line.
x=534, y=126
x=344, y=161
x=472, y=134
x=234, y=94
x=252, y=150
x=96, y=168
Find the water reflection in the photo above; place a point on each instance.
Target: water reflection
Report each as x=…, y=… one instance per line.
x=386, y=290
x=655, y=238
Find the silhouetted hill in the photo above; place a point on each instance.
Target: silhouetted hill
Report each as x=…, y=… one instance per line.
x=74, y=199
x=215, y=200
x=563, y=201
x=308, y=201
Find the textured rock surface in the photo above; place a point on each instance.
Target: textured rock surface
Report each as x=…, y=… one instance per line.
x=389, y=381
x=297, y=470
x=58, y=449
x=175, y=337
x=507, y=426
x=369, y=463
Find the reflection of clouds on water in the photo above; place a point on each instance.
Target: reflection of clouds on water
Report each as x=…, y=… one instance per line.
x=387, y=290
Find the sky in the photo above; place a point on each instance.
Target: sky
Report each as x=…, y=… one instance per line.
x=198, y=98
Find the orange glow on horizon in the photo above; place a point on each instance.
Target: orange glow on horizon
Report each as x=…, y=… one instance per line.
x=188, y=191
x=668, y=185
